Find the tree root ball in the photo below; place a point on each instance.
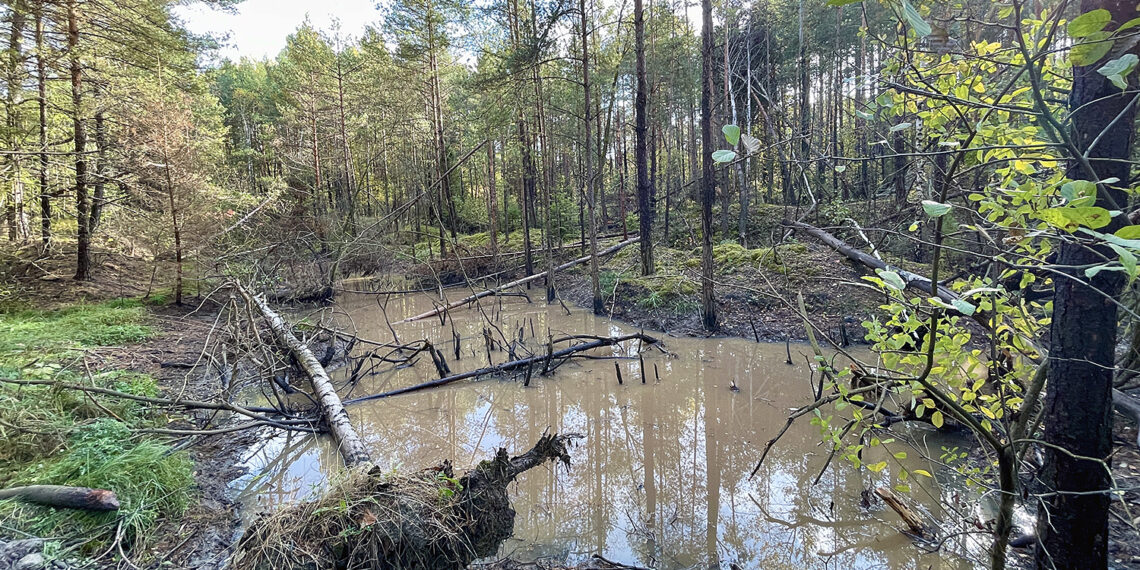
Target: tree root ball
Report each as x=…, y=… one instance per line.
x=430, y=519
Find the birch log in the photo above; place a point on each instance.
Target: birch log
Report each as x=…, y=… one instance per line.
x=351, y=446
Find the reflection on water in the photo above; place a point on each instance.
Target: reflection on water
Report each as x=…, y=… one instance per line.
x=661, y=476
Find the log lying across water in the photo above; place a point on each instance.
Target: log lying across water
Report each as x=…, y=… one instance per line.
x=64, y=497
x=352, y=447
x=472, y=298
x=538, y=359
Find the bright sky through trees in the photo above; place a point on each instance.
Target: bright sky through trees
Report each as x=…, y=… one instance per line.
x=258, y=27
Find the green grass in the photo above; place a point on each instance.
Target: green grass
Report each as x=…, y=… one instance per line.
x=55, y=436
x=42, y=333
x=149, y=481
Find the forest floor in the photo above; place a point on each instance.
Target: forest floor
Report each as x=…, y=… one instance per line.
x=108, y=327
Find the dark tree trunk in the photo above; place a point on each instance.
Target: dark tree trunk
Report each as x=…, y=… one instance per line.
x=640, y=151
x=708, y=174
x=588, y=178
x=82, y=202
x=1073, y=525
x=41, y=88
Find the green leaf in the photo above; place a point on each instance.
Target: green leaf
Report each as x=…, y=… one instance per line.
x=935, y=209
x=891, y=279
x=840, y=168
x=731, y=134
x=923, y=472
x=1117, y=70
x=936, y=419
x=915, y=20
x=1091, y=50
x=1070, y=219
x=1075, y=190
x=1128, y=232
x=1094, y=270
x=876, y=467
x=1127, y=259
x=964, y=307
x=1128, y=25
x=842, y=2
x=1089, y=23
x=900, y=127
x=724, y=156
x=864, y=115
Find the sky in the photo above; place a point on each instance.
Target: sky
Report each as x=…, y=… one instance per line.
x=259, y=27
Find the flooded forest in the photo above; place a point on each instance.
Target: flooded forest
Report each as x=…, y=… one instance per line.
x=569, y=284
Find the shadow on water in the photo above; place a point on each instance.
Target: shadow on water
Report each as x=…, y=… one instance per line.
x=661, y=477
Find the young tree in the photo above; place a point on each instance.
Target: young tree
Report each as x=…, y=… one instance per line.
x=588, y=175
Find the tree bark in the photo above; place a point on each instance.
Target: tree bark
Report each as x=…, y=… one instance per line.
x=640, y=151
x=352, y=448
x=64, y=497
x=708, y=173
x=1072, y=525
x=41, y=89
x=82, y=202
x=591, y=205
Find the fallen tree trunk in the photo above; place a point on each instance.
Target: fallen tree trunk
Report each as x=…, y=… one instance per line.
x=913, y=280
x=64, y=497
x=508, y=366
x=351, y=446
x=429, y=519
x=472, y=298
x=1128, y=406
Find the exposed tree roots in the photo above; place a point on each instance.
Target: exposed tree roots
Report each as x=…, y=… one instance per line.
x=369, y=519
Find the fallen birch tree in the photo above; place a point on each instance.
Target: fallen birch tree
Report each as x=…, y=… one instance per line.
x=352, y=447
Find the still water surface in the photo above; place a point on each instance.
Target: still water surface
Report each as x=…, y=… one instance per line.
x=661, y=477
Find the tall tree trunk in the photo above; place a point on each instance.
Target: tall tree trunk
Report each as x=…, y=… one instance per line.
x=100, y=181
x=708, y=174
x=18, y=228
x=82, y=202
x=348, y=206
x=41, y=89
x=492, y=203
x=1072, y=525
x=640, y=152
x=588, y=180
x=805, y=109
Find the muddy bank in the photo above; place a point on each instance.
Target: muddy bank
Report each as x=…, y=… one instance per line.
x=755, y=298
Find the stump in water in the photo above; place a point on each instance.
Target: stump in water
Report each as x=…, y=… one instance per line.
x=430, y=519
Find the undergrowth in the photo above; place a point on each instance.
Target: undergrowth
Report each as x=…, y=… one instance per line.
x=50, y=435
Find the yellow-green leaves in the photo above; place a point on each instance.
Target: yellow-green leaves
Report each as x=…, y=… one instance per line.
x=1096, y=43
x=1091, y=49
x=731, y=134
x=1117, y=70
x=937, y=419
x=891, y=279
x=1071, y=218
x=1089, y=23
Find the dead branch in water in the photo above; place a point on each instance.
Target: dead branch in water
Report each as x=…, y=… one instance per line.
x=516, y=283
x=562, y=355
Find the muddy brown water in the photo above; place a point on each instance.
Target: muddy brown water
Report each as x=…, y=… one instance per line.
x=661, y=476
